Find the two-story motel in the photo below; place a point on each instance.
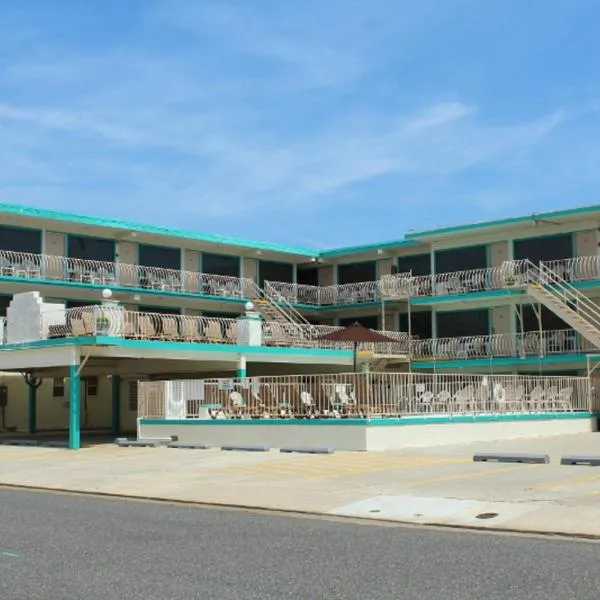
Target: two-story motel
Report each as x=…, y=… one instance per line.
x=518, y=295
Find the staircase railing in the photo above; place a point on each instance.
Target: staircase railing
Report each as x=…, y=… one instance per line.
x=285, y=309
x=527, y=273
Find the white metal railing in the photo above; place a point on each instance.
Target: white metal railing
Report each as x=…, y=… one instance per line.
x=92, y=272
x=532, y=343
x=113, y=320
x=282, y=334
x=364, y=395
x=578, y=268
x=329, y=295
x=570, y=298
x=2, y=330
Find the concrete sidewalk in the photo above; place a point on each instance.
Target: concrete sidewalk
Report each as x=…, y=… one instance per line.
x=440, y=486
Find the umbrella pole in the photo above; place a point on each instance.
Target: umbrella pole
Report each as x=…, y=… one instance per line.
x=355, y=353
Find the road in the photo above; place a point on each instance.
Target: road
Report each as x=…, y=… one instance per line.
x=74, y=547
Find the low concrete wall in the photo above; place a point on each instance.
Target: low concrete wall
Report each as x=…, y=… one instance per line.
x=360, y=435
x=276, y=434
x=428, y=432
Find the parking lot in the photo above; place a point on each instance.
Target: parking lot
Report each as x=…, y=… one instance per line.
x=426, y=485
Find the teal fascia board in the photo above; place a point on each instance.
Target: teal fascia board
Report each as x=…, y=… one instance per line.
x=487, y=295
x=67, y=217
x=160, y=345
x=514, y=361
x=557, y=214
x=403, y=421
x=349, y=250
x=116, y=288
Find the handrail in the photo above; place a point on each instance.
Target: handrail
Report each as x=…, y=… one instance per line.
x=563, y=291
x=107, y=274
x=113, y=320
x=530, y=343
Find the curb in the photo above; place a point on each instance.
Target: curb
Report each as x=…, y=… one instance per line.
x=306, y=513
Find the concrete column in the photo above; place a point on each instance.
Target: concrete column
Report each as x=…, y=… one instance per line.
x=241, y=367
x=116, y=404
x=74, y=408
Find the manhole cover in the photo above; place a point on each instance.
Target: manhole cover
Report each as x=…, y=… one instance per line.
x=486, y=515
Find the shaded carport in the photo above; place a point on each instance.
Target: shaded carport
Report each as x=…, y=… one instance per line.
x=76, y=358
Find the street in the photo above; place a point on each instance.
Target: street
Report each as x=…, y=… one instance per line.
x=69, y=547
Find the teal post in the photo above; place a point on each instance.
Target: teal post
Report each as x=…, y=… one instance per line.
x=116, y=404
x=33, y=383
x=74, y=408
x=32, y=408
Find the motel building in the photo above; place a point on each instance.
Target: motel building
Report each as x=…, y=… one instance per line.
x=120, y=328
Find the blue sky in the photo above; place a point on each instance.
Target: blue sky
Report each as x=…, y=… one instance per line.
x=315, y=123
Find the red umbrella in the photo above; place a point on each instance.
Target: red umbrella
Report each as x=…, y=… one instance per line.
x=356, y=334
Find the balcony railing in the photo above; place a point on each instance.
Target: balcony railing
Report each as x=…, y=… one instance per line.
x=106, y=274
x=114, y=321
x=580, y=268
x=329, y=295
x=363, y=395
x=399, y=286
x=533, y=343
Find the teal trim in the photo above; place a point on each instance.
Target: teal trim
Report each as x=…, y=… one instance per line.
x=117, y=288
x=37, y=213
x=499, y=362
x=116, y=404
x=487, y=295
x=364, y=248
x=160, y=345
x=74, y=408
x=557, y=214
x=403, y=421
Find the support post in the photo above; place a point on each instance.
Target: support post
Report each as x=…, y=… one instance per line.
x=74, y=408
x=116, y=404
x=241, y=367
x=33, y=383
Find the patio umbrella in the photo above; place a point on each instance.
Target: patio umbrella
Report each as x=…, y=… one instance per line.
x=356, y=334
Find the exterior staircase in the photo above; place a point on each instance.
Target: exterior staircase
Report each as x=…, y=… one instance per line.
x=563, y=299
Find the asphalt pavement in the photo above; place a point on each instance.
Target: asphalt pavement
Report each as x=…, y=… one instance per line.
x=68, y=547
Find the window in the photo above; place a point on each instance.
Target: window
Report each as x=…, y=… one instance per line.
x=221, y=264
x=159, y=256
x=220, y=315
x=163, y=310
x=420, y=324
x=132, y=396
x=90, y=248
x=550, y=321
x=552, y=247
x=461, y=259
x=308, y=276
x=274, y=271
x=357, y=272
x=79, y=303
x=462, y=323
x=58, y=387
x=4, y=302
x=420, y=264
x=17, y=239
x=370, y=321
x=91, y=384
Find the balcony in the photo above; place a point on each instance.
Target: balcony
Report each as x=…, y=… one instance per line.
x=365, y=292
x=104, y=274
x=519, y=345
x=113, y=320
